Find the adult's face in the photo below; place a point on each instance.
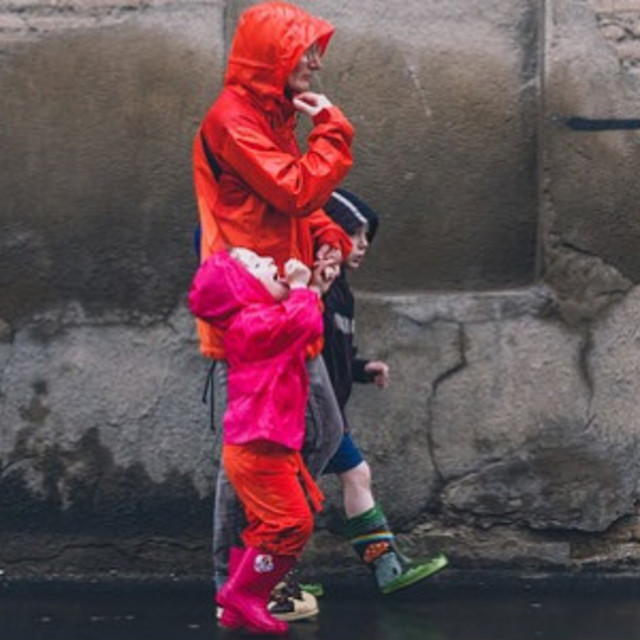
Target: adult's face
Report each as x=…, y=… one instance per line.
x=299, y=79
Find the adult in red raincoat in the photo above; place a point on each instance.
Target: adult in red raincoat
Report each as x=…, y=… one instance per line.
x=256, y=189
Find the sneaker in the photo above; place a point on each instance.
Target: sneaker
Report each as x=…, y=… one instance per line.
x=408, y=575
x=290, y=603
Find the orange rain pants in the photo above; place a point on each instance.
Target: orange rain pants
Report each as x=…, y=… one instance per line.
x=277, y=492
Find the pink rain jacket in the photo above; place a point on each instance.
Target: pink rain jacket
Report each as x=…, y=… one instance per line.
x=265, y=343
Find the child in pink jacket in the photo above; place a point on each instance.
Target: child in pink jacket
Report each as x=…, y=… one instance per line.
x=268, y=322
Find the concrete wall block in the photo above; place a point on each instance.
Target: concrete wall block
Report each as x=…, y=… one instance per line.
x=442, y=227
x=592, y=188
x=500, y=410
x=83, y=406
x=110, y=220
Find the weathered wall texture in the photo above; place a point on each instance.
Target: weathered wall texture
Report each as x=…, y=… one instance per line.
x=502, y=288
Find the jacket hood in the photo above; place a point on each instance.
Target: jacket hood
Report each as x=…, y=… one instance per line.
x=221, y=288
x=269, y=41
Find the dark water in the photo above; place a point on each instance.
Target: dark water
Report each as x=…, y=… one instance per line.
x=187, y=615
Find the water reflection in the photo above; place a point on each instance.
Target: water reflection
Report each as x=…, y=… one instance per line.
x=186, y=615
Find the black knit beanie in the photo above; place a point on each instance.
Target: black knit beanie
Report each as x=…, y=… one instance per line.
x=351, y=213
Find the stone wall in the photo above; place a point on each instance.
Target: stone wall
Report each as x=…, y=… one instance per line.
x=496, y=141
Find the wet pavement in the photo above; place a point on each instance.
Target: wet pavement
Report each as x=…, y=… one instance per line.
x=425, y=614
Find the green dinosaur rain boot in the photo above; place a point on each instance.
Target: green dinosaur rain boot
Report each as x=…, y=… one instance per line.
x=374, y=542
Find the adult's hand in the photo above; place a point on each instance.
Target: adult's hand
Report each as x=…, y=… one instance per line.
x=323, y=276
x=326, y=267
x=328, y=255
x=311, y=103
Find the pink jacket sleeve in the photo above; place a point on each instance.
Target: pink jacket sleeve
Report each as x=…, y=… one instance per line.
x=262, y=331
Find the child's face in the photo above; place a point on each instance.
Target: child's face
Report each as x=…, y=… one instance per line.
x=264, y=269
x=360, y=245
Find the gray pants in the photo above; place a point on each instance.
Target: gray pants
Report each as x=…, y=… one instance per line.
x=323, y=433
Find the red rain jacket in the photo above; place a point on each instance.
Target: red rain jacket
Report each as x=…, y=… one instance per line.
x=265, y=343
x=253, y=185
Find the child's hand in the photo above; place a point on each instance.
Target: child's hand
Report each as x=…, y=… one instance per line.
x=323, y=276
x=311, y=103
x=296, y=273
x=380, y=372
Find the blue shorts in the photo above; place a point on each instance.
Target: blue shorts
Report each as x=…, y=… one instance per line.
x=346, y=457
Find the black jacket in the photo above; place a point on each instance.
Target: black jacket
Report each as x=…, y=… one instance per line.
x=339, y=350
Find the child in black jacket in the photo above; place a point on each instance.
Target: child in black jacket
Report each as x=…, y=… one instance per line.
x=366, y=525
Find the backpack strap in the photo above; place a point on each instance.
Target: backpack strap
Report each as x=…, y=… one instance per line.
x=211, y=159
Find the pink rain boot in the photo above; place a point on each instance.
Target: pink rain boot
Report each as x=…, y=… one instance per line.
x=229, y=619
x=245, y=594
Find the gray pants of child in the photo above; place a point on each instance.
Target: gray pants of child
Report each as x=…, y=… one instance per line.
x=324, y=428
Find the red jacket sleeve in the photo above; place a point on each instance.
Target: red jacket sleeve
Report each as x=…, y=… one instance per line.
x=295, y=185
x=325, y=231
